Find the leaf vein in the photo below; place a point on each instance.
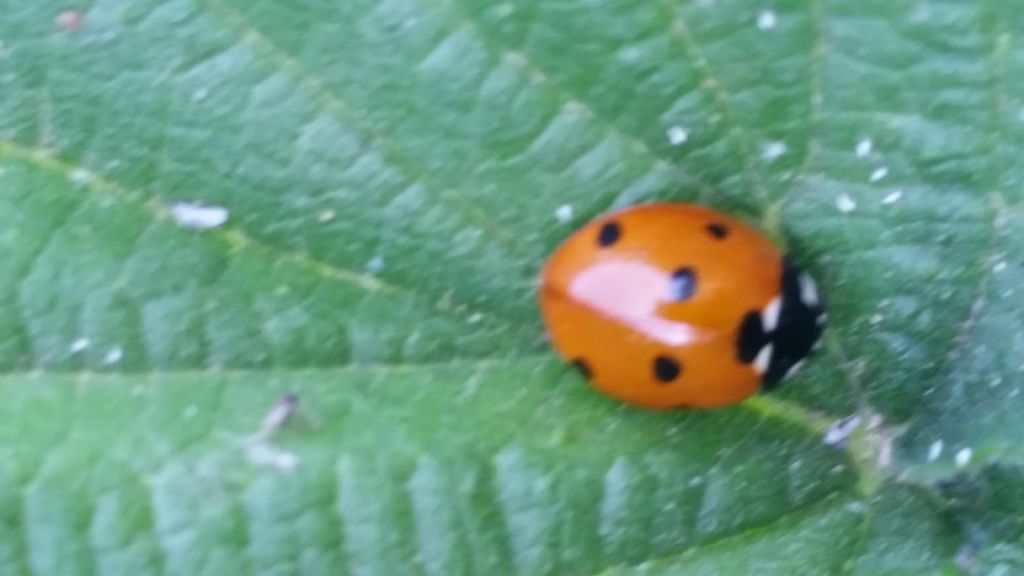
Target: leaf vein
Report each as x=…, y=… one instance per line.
x=818, y=51
x=235, y=239
x=749, y=533
x=997, y=62
x=742, y=142
x=332, y=102
x=570, y=98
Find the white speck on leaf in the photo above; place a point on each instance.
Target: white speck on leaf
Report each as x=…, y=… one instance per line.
x=81, y=176
x=766, y=20
x=279, y=414
x=79, y=345
x=876, y=319
x=840, y=430
x=200, y=94
x=893, y=197
x=190, y=412
x=934, y=451
x=845, y=204
x=375, y=264
x=999, y=266
x=878, y=174
x=564, y=213
x=773, y=150
x=677, y=135
x=476, y=317
x=113, y=356
x=69, y=20
x=325, y=216
x=199, y=216
x=963, y=457
x=863, y=147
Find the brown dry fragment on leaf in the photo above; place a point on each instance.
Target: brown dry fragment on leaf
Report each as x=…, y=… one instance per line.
x=278, y=415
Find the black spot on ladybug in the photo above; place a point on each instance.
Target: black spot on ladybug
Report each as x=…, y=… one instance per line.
x=717, y=230
x=751, y=337
x=609, y=234
x=666, y=369
x=682, y=284
x=581, y=365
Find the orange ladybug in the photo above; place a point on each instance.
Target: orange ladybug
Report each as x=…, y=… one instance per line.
x=676, y=305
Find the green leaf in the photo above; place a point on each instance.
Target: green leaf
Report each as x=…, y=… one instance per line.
x=815, y=544
x=990, y=503
x=395, y=172
x=909, y=532
x=443, y=469
x=1000, y=559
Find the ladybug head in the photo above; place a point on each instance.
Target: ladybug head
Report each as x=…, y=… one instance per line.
x=779, y=338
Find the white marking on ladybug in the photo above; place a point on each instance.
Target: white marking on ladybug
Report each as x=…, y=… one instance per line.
x=935, y=450
x=808, y=291
x=770, y=315
x=822, y=318
x=763, y=359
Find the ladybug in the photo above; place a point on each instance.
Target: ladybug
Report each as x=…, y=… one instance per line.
x=672, y=305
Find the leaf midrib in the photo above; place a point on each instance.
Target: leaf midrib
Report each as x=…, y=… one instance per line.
x=232, y=237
